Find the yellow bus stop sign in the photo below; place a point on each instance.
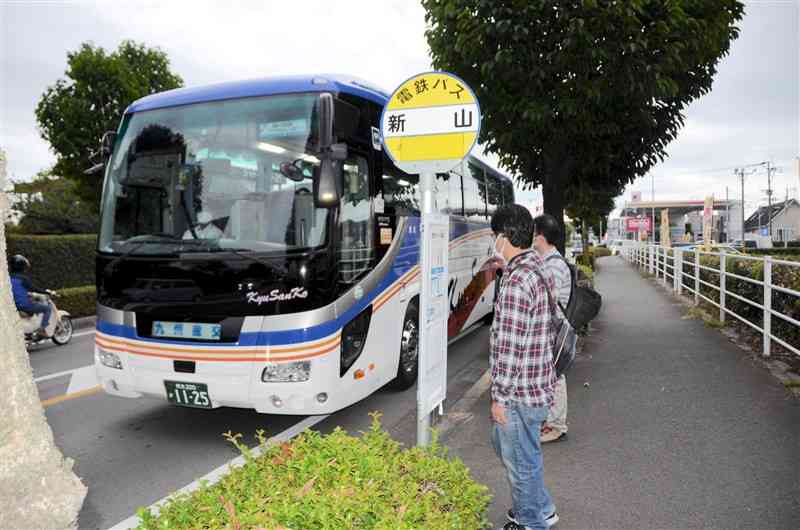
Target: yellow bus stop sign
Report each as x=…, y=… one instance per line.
x=430, y=123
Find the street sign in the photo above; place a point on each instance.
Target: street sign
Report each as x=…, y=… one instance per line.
x=430, y=123
x=432, y=383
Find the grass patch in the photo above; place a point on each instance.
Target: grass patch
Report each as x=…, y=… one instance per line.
x=334, y=482
x=708, y=320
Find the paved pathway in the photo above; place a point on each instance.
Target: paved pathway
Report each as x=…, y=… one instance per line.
x=677, y=428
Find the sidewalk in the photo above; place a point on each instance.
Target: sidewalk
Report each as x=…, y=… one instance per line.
x=677, y=428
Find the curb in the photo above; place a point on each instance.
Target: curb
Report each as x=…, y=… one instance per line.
x=84, y=322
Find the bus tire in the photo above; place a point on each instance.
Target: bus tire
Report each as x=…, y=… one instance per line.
x=408, y=365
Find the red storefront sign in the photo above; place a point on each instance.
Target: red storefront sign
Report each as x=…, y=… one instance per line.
x=638, y=224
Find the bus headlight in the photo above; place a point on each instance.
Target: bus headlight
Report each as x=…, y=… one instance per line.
x=293, y=372
x=109, y=359
x=354, y=336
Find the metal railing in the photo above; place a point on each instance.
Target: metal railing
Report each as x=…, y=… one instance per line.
x=670, y=265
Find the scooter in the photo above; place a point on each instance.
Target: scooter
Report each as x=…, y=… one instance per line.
x=59, y=329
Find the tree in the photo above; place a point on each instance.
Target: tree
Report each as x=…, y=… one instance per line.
x=581, y=89
x=590, y=207
x=74, y=113
x=51, y=205
x=37, y=486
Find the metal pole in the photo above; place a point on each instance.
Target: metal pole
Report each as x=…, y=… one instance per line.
x=741, y=176
x=727, y=216
x=767, y=305
x=426, y=181
x=696, y=276
x=769, y=198
x=653, y=204
x=722, y=268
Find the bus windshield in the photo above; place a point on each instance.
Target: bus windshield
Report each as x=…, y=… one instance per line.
x=227, y=175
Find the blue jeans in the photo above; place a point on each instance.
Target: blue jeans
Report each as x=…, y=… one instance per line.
x=517, y=444
x=35, y=307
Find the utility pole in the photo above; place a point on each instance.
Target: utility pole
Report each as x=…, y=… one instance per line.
x=740, y=171
x=770, y=169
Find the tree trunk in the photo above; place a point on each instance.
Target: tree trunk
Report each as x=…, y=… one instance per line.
x=37, y=486
x=553, y=195
x=584, y=234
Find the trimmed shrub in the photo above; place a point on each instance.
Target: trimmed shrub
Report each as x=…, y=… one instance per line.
x=778, y=244
x=585, y=275
x=57, y=261
x=333, y=482
x=773, y=252
x=79, y=301
x=586, y=259
x=782, y=275
x=601, y=252
x=794, y=244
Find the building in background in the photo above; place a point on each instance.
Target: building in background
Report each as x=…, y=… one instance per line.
x=785, y=223
x=685, y=217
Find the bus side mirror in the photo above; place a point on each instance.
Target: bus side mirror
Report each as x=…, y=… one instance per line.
x=100, y=157
x=326, y=183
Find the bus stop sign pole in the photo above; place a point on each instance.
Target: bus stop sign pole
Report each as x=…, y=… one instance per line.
x=428, y=126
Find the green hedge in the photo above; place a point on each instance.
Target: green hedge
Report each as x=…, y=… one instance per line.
x=782, y=276
x=334, y=482
x=586, y=259
x=773, y=251
x=601, y=252
x=79, y=301
x=57, y=261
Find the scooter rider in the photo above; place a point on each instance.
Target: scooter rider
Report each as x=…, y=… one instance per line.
x=21, y=287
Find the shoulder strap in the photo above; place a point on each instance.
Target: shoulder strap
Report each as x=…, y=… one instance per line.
x=553, y=305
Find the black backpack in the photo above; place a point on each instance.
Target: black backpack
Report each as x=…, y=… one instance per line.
x=584, y=302
x=583, y=305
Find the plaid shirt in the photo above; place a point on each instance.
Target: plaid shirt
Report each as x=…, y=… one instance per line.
x=522, y=336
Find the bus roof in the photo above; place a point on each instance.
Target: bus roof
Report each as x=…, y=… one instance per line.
x=266, y=86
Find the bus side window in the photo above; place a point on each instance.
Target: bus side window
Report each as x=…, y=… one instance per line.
x=456, y=194
x=494, y=194
x=400, y=190
x=475, y=194
x=356, y=244
x=508, y=192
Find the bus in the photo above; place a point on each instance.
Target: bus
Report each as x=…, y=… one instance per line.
x=258, y=248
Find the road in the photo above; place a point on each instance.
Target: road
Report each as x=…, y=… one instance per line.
x=132, y=453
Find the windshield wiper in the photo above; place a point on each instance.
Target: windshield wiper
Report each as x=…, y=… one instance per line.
x=159, y=239
x=244, y=253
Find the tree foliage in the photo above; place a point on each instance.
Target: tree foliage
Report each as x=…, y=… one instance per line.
x=74, y=112
x=581, y=91
x=52, y=205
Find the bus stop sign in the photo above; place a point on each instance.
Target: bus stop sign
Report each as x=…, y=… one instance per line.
x=429, y=126
x=430, y=123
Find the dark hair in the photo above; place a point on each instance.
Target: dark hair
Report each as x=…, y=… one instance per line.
x=547, y=226
x=515, y=223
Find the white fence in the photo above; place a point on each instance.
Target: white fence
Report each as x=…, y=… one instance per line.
x=670, y=264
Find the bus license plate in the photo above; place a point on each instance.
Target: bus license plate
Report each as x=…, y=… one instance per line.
x=188, y=394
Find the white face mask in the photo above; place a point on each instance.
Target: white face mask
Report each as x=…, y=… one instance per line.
x=498, y=253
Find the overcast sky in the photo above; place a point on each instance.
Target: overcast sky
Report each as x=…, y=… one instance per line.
x=751, y=115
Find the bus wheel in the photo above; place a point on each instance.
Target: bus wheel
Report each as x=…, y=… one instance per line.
x=409, y=349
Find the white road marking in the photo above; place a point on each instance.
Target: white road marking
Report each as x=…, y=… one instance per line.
x=83, y=333
x=215, y=475
x=60, y=374
x=83, y=378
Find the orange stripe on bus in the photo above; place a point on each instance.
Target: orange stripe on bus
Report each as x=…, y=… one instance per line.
x=215, y=350
x=263, y=358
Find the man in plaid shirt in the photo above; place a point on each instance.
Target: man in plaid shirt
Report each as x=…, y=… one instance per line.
x=521, y=361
